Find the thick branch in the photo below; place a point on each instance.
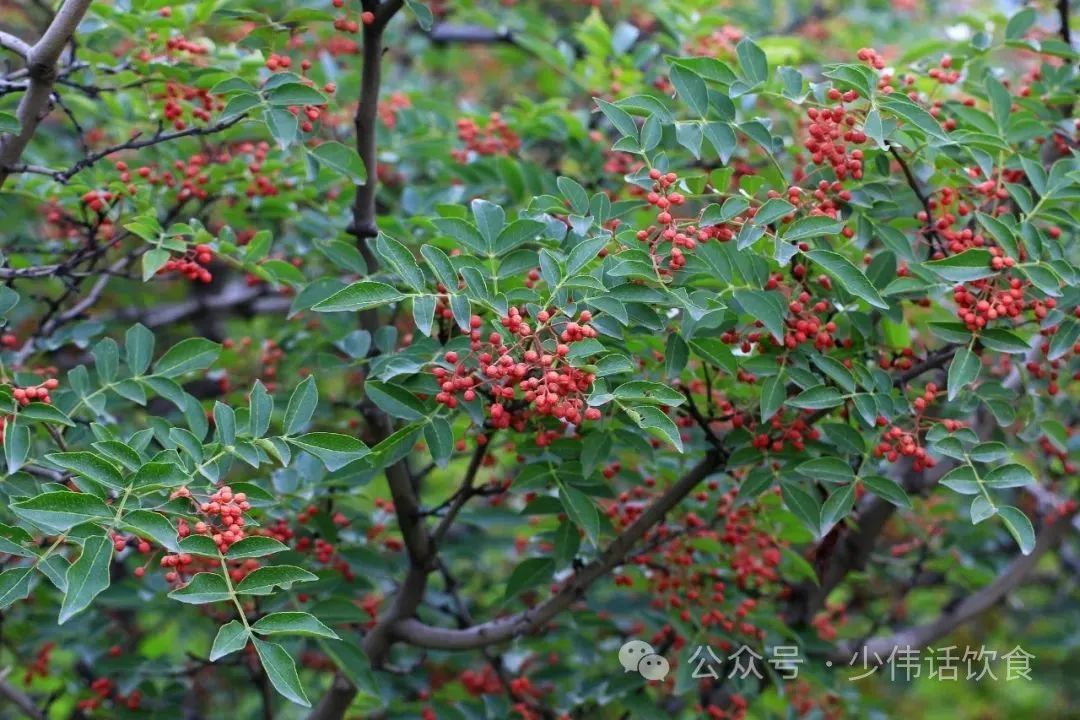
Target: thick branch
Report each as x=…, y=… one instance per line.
x=15, y=45
x=363, y=223
x=971, y=607
x=420, y=634
x=41, y=62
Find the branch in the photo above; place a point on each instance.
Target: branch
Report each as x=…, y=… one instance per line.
x=464, y=493
x=971, y=607
x=913, y=183
x=419, y=634
x=1063, y=14
x=41, y=62
x=446, y=33
x=18, y=698
x=14, y=44
x=363, y=223
x=63, y=176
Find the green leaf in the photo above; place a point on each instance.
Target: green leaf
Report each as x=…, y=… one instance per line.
x=803, y=505
x=649, y=392
x=972, y=264
x=773, y=394
x=341, y=159
x=292, y=623
x=45, y=413
x=402, y=261
x=395, y=400
x=336, y=451
x=691, y=88
x=1067, y=335
x=262, y=580
x=465, y=233
x=253, y=547
x=260, y=409
x=618, y=117
x=582, y=511
x=231, y=637
x=771, y=211
x=765, y=307
x=159, y=475
x=989, y=452
x=962, y=480
x=963, y=370
x=1004, y=341
x=716, y=352
x=901, y=106
x=87, y=577
x=204, y=588
x=1019, y=527
x=723, y=140
x=282, y=124
x=295, y=93
x=62, y=510
x=90, y=466
x=517, y=233
x=819, y=397
x=752, y=61
x=423, y=14
x=194, y=353
x=850, y=277
x=1020, y=23
x=837, y=506
x=138, y=349
x=302, y=404
x=1009, y=476
x=655, y=422
x=530, y=573
x=16, y=444
x=14, y=585
x=153, y=260
x=490, y=220
x=572, y=191
x=362, y=295
x=281, y=670
x=152, y=526
x=440, y=265
x=888, y=490
x=829, y=469
x=811, y=227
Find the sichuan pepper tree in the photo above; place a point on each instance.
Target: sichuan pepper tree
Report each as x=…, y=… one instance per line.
x=403, y=359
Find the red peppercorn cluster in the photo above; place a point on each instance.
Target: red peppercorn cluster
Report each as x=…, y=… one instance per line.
x=779, y=433
x=980, y=302
x=391, y=106
x=98, y=200
x=944, y=73
x=832, y=133
x=229, y=509
x=826, y=622
x=494, y=138
x=666, y=199
x=192, y=264
x=895, y=442
x=40, y=666
x=871, y=57
x=40, y=393
x=524, y=370
x=181, y=99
